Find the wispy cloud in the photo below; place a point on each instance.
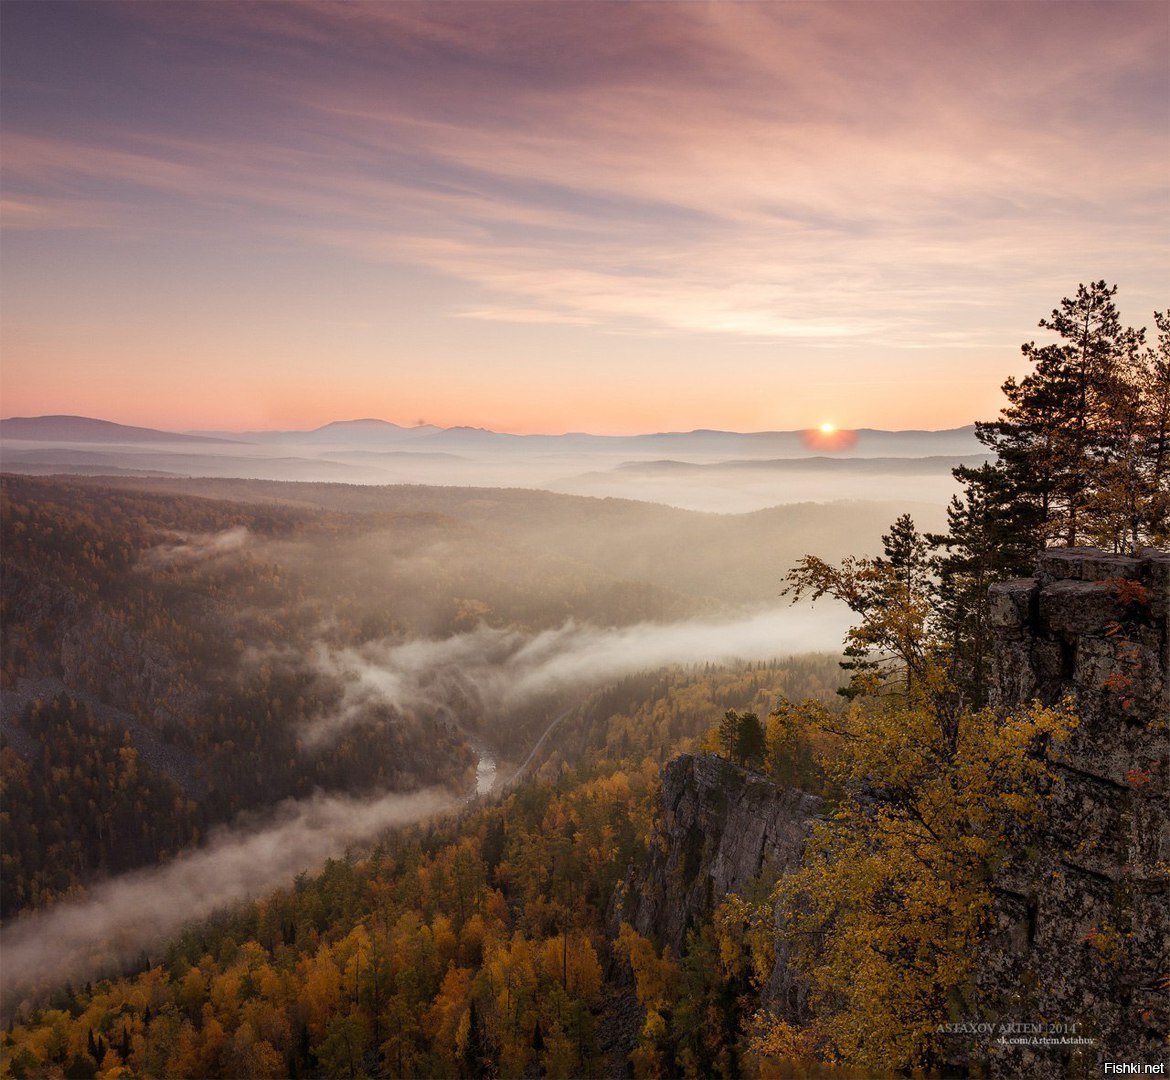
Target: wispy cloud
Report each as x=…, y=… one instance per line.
x=914, y=174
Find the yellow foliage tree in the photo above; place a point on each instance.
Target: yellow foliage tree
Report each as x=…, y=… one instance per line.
x=885, y=914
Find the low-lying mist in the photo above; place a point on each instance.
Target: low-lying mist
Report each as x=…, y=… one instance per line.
x=483, y=671
x=138, y=911
x=492, y=670
x=194, y=547
x=447, y=616
x=723, y=472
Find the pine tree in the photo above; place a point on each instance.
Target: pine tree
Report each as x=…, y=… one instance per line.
x=728, y=734
x=907, y=552
x=751, y=744
x=1052, y=437
x=1155, y=433
x=1131, y=502
x=475, y=1062
x=1082, y=455
x=981, y=545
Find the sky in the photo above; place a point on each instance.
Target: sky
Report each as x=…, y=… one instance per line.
x=560, y=217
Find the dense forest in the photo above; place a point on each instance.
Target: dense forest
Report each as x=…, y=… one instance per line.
x=189, y=641
x=483, y=942
x=373, y=965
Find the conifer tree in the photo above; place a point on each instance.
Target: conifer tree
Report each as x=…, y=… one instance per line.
x=474, y=1063
x=1067, y=443
x=907, y=552
x=1155, y=432
x=1130, y=505
x=728, y=734
x=1082, y=455
x=981, y=545
x=751, y=744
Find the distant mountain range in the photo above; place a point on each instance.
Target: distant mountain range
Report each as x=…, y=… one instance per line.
x=378, y=432
x=907, y=466
x=85, y=429
x=373, y=433
x=722, y=471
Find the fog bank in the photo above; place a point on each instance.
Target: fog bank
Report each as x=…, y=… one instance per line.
x=497, y=669
x=138, y=911
x=195, y=547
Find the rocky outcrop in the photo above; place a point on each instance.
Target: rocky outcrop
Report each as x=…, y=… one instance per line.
x=1073, y=971
x=721, y=829
x=1082, y=919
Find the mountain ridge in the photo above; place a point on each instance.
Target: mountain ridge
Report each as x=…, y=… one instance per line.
x=74, y=427
x=66, y=427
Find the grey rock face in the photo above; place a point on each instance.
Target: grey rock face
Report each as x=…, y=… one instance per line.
x=720, y=826
x=721, y=829
x=1080, y=931
x=1082, y=921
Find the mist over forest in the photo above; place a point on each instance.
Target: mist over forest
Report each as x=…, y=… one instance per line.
x=726, y=472
x=253, y=675
x=264, y=739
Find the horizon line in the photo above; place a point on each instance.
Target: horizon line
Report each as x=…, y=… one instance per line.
x=479, y=428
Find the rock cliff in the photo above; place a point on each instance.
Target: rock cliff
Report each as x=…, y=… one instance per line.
x=720, y=826
x=721, y=829
x=1077, y=953
x=1083, y=918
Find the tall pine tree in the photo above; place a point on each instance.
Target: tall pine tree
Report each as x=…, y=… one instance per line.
x=1082, y=454
x=1069, y=444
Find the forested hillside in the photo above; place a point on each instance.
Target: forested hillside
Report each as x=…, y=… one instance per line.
x=373, y=965
x=170, y=660
x=723, y=557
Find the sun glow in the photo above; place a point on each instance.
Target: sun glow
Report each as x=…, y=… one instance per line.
x=828, y=438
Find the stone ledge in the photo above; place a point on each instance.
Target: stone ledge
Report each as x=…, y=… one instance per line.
x=1012, y=603
x=1086, y=564
x=1151, y=567
x=1073, y=609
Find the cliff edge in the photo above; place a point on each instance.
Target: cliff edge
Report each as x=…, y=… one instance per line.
x=1082, y=919
x=721, y=829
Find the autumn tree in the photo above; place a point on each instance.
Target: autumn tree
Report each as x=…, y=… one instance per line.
x=885, y=913
x=792, y=736
x=657, y=979
x=893, y=595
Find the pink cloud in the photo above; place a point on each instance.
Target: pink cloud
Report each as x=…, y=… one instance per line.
x=918, y=177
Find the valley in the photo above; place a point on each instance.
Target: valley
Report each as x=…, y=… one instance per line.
x=209, y=653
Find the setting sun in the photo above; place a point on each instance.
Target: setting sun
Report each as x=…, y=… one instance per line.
x=827, y=428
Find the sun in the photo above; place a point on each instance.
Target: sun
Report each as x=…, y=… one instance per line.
x=828, y=438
